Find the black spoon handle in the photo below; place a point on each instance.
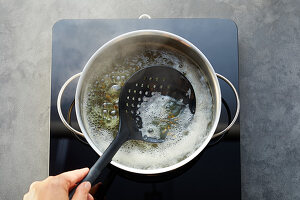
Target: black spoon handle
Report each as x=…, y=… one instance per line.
x=101, y=163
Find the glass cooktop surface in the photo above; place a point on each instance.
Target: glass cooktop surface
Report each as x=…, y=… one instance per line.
x=214, y=174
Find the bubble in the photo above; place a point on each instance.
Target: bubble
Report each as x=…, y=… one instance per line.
x=115, y=88
x=113, y=112
x=150, y=130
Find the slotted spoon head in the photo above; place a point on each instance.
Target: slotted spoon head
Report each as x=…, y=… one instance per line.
x=145, y=83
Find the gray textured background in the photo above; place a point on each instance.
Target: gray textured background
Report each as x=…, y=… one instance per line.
x=269, y=42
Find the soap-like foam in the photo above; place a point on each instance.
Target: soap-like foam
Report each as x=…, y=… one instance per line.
x=163, y=117
x=142, y=155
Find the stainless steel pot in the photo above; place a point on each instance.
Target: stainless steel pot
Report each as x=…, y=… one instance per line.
x=128, y=42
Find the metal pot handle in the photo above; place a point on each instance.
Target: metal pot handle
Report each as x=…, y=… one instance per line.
x=145, y=16
x=237, y=106
x=59, y=105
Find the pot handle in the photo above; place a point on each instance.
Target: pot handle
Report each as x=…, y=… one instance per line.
x=237, y=106
x=59, y=105
x=145, y=16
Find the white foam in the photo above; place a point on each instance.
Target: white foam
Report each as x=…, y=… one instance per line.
x=158, y=118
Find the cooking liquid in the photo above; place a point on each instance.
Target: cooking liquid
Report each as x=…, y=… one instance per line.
x=183, y=131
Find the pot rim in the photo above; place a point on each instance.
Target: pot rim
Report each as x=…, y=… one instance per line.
x=157, y=33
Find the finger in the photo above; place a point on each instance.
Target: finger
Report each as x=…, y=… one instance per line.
x=28, y=196
x=73, y=177
x=33, y=185
x=82, y=191
x=95, y=188
x=25, y=197
x=90, y=197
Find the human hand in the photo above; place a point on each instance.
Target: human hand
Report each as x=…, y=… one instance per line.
x=58, y=187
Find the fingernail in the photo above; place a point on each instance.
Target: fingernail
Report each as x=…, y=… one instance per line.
x=87, y=184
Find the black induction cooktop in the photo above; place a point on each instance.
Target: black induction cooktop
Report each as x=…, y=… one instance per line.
x=214, y=174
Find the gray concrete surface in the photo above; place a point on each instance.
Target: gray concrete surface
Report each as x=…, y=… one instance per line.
x=269, y=45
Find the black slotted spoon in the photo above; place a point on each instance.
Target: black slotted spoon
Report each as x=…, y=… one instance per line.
x=144, y=83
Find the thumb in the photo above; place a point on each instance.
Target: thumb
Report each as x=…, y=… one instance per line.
x=82, y=191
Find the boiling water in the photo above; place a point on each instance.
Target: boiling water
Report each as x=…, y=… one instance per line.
x=183, y=132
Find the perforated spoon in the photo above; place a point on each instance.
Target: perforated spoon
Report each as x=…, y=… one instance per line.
x=144, y=83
